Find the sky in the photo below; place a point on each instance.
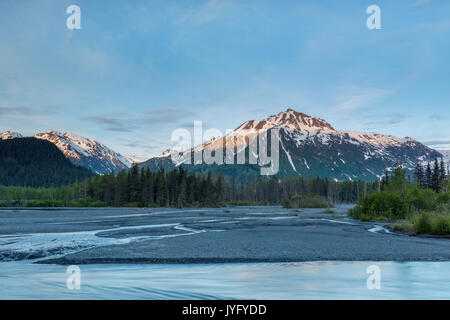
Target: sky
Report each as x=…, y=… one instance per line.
x=138, y=70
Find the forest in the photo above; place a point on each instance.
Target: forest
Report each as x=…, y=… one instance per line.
x=179, y=188
x=36, y=163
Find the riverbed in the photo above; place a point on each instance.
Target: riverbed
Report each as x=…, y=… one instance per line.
x=214, y=253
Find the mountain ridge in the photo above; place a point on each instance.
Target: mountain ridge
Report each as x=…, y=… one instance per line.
x=7, y=135
x=82, y=151
x=308, y=146
x=312, y=147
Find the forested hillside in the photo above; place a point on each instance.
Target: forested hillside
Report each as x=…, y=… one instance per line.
x=36, y=163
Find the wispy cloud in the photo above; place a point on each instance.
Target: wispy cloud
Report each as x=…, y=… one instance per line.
x=354, y=98
x=421, y=2
x=382, y=120
x=125, y=122
x=16, y=111
x=436, y=142
x=167, y=114
x=439, y=117
x=208, y=12
x=113, y=123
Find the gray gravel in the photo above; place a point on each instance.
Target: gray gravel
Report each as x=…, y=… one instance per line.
x=244, y=234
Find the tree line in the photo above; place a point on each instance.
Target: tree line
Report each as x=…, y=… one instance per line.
x=432, y=178
x=179, y=188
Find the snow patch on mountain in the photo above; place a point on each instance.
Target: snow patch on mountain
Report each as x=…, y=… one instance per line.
x=288, y=155
x=446, y=154
x=10, y=135
x=136, y=159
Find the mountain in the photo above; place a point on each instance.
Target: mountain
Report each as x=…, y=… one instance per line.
x=86, y=152
x=311, y=147
x=36, y=163
x=10, y=135
x=135, y=159
x=446, y=154
x=83, y=151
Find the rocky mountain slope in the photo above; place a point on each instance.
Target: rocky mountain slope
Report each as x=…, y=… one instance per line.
x=86, y=152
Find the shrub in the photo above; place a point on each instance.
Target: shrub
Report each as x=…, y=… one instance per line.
x=444, y=198
x=286, y=203
x=308, y=201
x=363, y=217
x=328, y=210
x=355, y=211
x=129, y=204
x=404, y=226
x=384, y=203
x=423, y=224
x=44, y=203
x=423, y=199
x=440, y=225
x=243, y=203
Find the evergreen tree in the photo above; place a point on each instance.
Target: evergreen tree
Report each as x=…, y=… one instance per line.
x=435, y=177
x=384, y=181
x=419, y=175
x=428, y=177
x=442, y=172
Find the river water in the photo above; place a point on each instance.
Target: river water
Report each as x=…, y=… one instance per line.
x=315, y=280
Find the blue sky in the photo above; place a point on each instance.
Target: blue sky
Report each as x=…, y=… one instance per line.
x=137, y=70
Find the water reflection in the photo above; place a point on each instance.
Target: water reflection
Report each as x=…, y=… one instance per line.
x=313, y=280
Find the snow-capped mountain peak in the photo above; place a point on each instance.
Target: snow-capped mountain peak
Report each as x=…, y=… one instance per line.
x=289, y=119
x=86, y=152
x=136, y=159
x=10, y=135
x=167, y=153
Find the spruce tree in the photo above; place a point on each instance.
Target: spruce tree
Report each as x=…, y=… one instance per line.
x=419, y=174
x=435, y=176
x=442, y=172
x=428, y=176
